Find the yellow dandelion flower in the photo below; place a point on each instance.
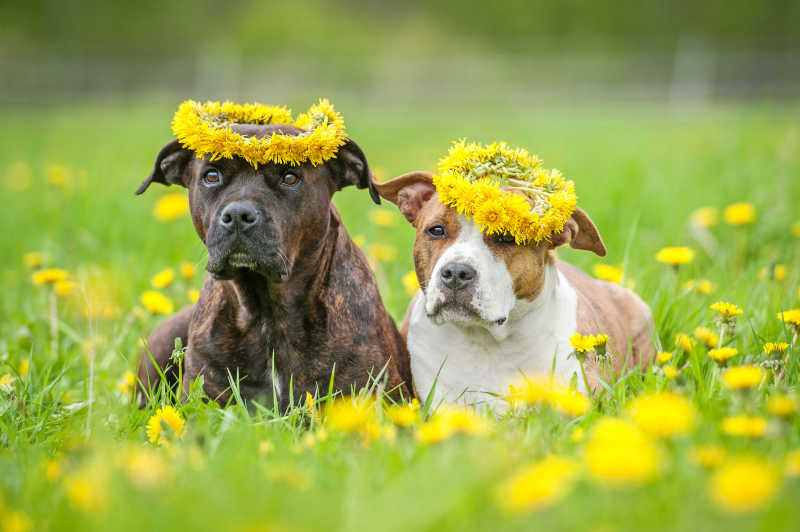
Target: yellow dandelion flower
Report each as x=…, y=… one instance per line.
x=684, y=342
x=707, y=336
x=359, y=240
x=157, y=303
x=57, y=175
x=608, y=273
x=491, y=217
x=739, y=214
x=663, y=414
x=188, y=270
x=600, y=340
x=703, y=286
x=163, y=278
x=382, y=217
x=705, y=217
x=581, y=343
x=165, y=425
x=410, y=283
x=796, y=229
x=620, y=453
x=744, y=425
x=723, y=354
x=534, y=390
x=577, y=435
x=49, y=276
x=33, y=259
x=193, y=294
x=404, y=415
x=7, y=383
x=791, y=317
x=775, y=347
x=792, y=464
x=708, y=456
x=727, y=310
x=52, y=470
x=265, y=447
x=779, y=272
x=569, y=402
x=144, y=467
x=537, y=486
x=86, y=488
x=126, y=383
x=663, y=357
x=24, y=367
x=743, y=377
x=65, y=288
x=171, y=207
x=671, y=372
x=781, y=405
x=743, y=484
x=350, y=415
x=451, y=420
x=15, y=521
x=675, y=255
x=382, y=252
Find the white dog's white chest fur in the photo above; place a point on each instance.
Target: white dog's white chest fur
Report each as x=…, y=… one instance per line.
x=475, y=364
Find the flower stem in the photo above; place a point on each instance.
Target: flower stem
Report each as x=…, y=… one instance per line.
x=585, y=380
x=53, y=324
x=785, y=361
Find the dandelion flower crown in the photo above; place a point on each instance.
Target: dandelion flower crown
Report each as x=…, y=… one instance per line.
x=533, y=204
x=207, y=129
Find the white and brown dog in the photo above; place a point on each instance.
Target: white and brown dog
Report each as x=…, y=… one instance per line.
x=490, y=310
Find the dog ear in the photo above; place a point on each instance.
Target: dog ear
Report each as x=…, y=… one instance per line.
x=580, y=233
x=170, y=164
x=350, y=167
x=409, y=192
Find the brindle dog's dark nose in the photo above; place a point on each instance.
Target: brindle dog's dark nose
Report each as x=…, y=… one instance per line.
x=239, y=216
x=456, y=276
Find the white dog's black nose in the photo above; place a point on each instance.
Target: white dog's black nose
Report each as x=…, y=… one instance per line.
x=456, y=276
x=239, y=216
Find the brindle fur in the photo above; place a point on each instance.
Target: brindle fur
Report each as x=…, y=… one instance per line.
x=310, y=303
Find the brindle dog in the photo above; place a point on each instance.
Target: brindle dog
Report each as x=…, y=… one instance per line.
x=285, y=281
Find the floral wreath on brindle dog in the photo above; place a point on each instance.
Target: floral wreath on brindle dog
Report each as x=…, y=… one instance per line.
x=533, y=204
x=207, y=129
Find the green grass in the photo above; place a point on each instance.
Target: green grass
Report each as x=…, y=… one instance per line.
x=640, y=170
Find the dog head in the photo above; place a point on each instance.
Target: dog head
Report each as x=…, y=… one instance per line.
x=466, y=276
x=259, y=219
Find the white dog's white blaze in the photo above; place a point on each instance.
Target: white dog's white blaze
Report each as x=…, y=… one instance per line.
x=475, y=359
x=493, y=296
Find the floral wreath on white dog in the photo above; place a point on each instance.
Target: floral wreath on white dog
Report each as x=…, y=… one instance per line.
x=505, y=191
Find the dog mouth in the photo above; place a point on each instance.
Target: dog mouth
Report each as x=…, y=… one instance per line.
x=454, y=311
x=225, y=266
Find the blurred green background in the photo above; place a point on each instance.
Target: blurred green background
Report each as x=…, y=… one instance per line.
x=653, y=108
x=411, y=51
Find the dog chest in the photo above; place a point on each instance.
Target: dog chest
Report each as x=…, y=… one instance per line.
x=474, y=368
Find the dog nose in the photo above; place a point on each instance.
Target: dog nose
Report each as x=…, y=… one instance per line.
x=456, y=276
x=239, y=216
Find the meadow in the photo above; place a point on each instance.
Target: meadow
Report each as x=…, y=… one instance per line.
x=684, y=444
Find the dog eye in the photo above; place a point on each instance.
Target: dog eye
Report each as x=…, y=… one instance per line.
x=436, y=231
x=212, y=176
x=505, y=239
x=290, y=179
